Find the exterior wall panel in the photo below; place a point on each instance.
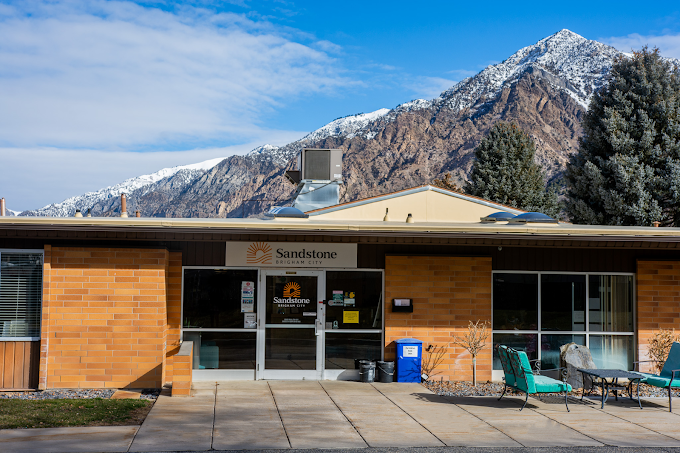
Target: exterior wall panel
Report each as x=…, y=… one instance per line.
x=106, y=318
x=658, y=302
x=447, y=293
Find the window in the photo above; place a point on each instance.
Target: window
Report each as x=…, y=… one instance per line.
x=20, y=295
x=538, y=312
x=218, y=310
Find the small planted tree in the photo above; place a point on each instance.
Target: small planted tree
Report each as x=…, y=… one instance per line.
x=474, y=341
x=660, y=345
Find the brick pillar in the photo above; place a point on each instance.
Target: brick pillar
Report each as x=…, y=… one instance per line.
x=45, y=318
x=658, y=302
x=447, y=293
x=174, y=312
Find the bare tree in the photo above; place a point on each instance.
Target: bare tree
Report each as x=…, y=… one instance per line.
x=474, y=341
x=431, y=360
x=660, y=345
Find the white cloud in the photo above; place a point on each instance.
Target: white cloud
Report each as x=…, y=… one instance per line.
x=33, y=177
x=669, y=44
x=430, y=87
x=113, y=75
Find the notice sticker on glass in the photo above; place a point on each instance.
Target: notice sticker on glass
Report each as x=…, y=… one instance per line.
x=338, y=299
x=350, y=317
x=247, y=289
x=309, y=313
x=247, y=297
x=249, y=321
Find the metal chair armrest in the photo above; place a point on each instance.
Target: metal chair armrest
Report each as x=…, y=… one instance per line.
x=643, y=361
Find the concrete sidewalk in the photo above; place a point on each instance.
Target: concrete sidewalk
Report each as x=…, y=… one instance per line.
x=262, y=415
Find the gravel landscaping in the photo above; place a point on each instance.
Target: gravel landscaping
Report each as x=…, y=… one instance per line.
x=59, y=394
x=462, y=388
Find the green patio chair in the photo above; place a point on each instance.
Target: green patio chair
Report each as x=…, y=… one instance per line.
x=669, y=378
x=519, y=376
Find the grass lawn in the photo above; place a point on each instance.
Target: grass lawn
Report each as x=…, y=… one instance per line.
x=15, y=413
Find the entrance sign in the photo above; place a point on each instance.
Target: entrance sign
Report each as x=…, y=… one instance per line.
x=291, y=254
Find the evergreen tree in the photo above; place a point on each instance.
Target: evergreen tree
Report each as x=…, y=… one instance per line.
x=505, y=172
x=627, y=169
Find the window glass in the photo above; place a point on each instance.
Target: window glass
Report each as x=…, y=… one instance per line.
x=610, y=303
x=515, y=301
x=20, y=294
x=550, y=347
x=290, y=349
x=291, y=299
x=223, y=350
x=612, y=351
x=353, y=291
x=212, y=297
x=522, y=342
x=343, y=348
x=563, y=302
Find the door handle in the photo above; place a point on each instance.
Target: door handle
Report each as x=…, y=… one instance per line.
x=317, y=327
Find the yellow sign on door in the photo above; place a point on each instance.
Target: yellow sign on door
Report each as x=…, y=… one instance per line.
x=350, y=317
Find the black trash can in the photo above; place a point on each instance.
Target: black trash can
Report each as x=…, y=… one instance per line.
x=366, y=371
x=385, y=371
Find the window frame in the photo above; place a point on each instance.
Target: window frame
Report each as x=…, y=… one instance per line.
x=587, y=332
x=40, y=252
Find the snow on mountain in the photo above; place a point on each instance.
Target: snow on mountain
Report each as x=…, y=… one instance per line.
x=569, y=61
x=276, y=153
x=139, y=185
x=347, y=127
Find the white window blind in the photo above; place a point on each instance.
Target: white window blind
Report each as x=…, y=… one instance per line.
x=20, y=294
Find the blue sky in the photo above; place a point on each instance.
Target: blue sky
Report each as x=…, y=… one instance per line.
x=94, y=92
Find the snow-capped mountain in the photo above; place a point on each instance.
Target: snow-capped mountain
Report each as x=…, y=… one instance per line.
x=579, y=67
x=348, y=126
x=181, y=177
x=544, y=88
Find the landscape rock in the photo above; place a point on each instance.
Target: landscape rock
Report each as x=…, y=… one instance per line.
x=573, y=356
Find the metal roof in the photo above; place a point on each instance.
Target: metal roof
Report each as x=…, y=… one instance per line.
x=336, y=227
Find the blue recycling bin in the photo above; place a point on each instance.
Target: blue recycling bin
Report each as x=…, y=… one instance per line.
x=409, y=359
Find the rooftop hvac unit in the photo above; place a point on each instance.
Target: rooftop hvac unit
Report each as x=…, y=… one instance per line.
x=318, y=179
x=320, y=164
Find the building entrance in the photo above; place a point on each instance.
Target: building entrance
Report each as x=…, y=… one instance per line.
x=250, y=323
x=293, y=309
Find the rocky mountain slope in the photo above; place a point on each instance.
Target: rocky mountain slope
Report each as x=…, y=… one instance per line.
x=165, y=184
x=545, y=88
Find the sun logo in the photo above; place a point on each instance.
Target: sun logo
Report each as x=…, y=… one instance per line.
x=291, y=289
x=259, y=253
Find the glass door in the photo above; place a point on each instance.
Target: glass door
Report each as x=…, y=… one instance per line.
x=291, y=327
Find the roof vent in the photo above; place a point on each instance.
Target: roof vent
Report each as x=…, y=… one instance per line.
x=501, y=216
x=286, y=212
x=532, y=217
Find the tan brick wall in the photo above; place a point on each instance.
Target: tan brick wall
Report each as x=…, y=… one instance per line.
x=658, y=301
x=174, y=303
x=182, y=377
x=447, y=293
x=105, y=317
x=44, y=317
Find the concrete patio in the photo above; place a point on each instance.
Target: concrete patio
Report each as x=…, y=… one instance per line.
x=262, y=415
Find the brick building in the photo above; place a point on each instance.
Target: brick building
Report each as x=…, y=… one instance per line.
x=107, y=302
